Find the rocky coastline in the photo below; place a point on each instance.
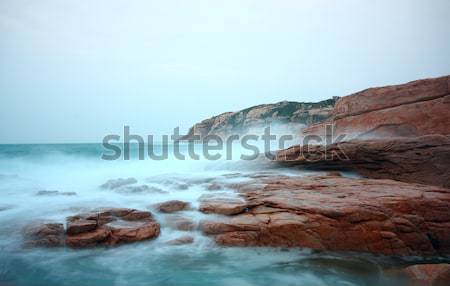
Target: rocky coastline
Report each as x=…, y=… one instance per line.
x=398, y=206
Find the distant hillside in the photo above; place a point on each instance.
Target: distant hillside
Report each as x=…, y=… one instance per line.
x=294, y=115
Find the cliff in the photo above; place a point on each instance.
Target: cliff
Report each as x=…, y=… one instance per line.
x=294, y=115
x=414, y=109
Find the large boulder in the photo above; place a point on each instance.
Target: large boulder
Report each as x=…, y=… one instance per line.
x=341, y=214
x=423, y=159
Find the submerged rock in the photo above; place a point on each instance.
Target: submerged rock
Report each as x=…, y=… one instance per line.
x=117, y=183
x=44, y=234
x=55, y=193
x=180, y=222
x=142, y=189
x=181, y=240
x=172, y=206
x=341, y=214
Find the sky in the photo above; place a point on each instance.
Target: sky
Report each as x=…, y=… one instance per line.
x=74, y=71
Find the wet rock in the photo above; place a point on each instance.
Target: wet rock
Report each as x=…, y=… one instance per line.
x=88, y=239
x=119, y=225
x=222, y=205
x=334, y=174
x=181, y=240
x=340, y=214
x=172, y=206
x=55, y=193
x=117, y=183
x=424, y=160
x=132, y=233
x=137, y=215
x=428, y=274
x=180, y=223
x=102, y=227
x=80, y=226
x=44, y=234
x=214, y=187
x=5, y=207
x=142, y=189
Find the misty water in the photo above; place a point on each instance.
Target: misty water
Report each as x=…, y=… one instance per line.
x=27, y=169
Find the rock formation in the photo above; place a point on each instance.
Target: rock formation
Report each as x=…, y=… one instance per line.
x=339, y=214
x=413, y=109
x=423, y=159
x=293, y=115
x=104, y=227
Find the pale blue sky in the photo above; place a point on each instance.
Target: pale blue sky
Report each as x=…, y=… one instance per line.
x=74, y=71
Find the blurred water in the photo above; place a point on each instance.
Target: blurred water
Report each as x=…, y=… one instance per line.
x=27, y=169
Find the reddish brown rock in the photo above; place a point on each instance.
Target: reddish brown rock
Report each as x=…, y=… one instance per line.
x=88, y=239
x=126, y=234
x=181, y=240
x=109, y=226
x=222, y=205
x=172, y=206
x=414, y=109
x=114, y=226
x=341, y=214
x=80, y=226
x=423, y=159
x=428, y=275
x=47, y=234
x=137, y=215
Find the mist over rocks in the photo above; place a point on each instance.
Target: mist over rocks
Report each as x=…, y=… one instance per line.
x=117, y=183
x=54, y=193
x=286, y=116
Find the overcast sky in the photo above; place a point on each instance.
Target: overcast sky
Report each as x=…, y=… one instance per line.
x=74, y=71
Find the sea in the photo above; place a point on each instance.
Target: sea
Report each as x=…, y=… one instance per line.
x=31, y=173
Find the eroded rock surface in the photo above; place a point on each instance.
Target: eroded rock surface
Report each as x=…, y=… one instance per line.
x=423, y=159
x=340, y=214
x=222, y=205
x=428, y=275
x=414, y=109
